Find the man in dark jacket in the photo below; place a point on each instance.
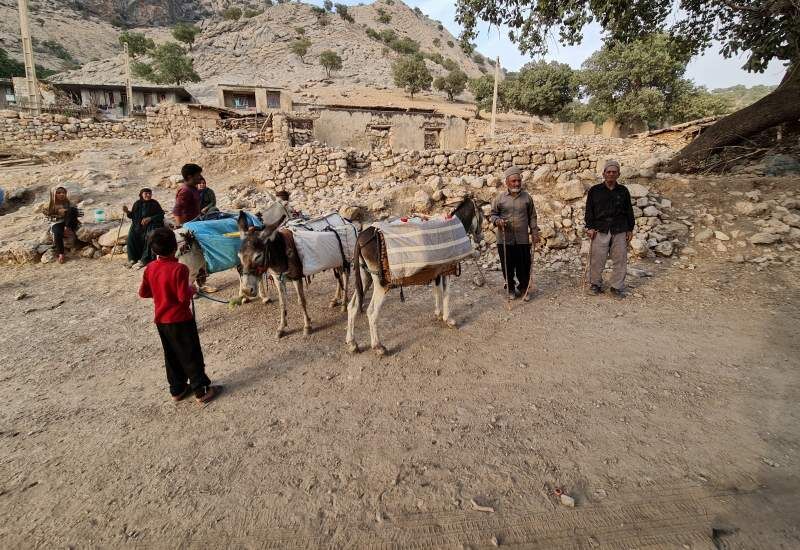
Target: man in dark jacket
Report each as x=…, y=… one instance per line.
x=514, y=216
x=609, y=224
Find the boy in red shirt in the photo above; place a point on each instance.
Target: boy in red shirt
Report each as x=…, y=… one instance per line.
x=167, y=282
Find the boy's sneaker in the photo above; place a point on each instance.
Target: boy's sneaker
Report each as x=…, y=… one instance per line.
x=129, y=264
x=619, y=294
x=210, y=393
x=595, y=289
x=138, y=265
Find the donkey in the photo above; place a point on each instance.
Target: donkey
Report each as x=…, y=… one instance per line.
x=368, y=254
x=271, y=253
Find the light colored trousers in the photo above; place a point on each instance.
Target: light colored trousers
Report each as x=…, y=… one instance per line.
x=617, y=246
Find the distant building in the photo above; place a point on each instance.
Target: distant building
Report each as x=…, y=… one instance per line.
x=110, y=100
x=253, y=99
x=371, y=127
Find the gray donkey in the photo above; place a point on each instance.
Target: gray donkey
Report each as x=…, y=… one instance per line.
x=270, y=252
x=368, y=253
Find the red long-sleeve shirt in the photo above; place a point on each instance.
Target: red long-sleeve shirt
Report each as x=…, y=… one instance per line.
x=167, y=282
x=187, y=202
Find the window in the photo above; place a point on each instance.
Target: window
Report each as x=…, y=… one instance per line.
x=244, y=101
x=273, y=100
x=432, y=140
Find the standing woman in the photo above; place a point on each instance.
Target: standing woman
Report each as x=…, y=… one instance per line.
x=146, y=215
x=64, y=216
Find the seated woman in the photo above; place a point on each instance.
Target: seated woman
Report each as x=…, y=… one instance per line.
x=208, y=200
x=64, y=217
x=146, y=215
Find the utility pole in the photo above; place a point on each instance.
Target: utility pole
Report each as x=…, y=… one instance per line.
x=31, y=83
x=128, y=82
x=494, y=97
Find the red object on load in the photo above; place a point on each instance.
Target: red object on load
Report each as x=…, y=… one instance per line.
x=404, y=220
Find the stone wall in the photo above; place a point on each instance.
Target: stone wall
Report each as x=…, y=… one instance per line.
x=180, y=121
x=22, y=129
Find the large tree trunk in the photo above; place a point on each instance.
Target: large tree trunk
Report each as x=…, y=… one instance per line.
x=782, y=105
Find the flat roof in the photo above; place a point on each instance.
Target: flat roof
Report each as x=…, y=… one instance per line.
x=154, y=88
x=252, y=87
x=417, y=110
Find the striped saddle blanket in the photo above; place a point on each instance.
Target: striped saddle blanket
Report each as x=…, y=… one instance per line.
x=423, y=247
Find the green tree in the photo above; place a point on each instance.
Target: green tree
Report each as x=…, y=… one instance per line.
x=300, y=48
x=232, y=14
x=453, y=84
x=411, y=74
x=384, y=17
x=331, y=61
x=541, y=88
x=483, y=90
x=185, y=32
x=766, y=30
x=10, y=67
x=341, y=9
x=637, y=82
x=698, y=102
x=169, y=65
x=138, y=43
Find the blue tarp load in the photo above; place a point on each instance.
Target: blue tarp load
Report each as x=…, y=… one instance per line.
x=220, y=252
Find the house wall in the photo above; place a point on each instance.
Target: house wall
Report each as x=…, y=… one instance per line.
x=341, y=128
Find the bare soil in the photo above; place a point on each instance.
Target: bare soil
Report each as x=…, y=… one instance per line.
x=671, y=417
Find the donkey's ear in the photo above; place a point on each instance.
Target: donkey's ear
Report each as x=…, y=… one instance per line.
x=243, y=224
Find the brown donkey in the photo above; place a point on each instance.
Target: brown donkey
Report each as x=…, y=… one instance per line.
x=270, y=252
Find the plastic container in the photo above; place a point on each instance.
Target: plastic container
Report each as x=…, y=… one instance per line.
x=99, y=215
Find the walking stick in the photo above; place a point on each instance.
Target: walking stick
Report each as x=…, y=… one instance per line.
x=119, y=230
x=531, y=276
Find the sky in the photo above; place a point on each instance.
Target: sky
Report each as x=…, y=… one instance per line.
x=710, y=69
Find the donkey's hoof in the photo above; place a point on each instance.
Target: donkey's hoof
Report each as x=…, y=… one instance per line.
x=307, y=330
x=451, y=323
x=266, y=300
x=280, y=334
x=379, y=350
x=333, y=304
x=352, y=347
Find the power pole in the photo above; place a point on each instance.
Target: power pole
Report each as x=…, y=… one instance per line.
x=31, y=83
x=128, y=82
x=494, y=97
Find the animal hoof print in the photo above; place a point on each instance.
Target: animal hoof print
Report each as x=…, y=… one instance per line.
x=380, y=350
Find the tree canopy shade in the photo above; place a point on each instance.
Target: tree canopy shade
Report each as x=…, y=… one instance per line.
x=170, y=65
x=411, y=73
x=331, y=61
x=765, y=29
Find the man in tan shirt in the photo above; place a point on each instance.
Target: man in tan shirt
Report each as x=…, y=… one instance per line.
x=514, y=216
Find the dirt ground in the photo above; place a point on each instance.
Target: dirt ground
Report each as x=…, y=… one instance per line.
x=671, y=417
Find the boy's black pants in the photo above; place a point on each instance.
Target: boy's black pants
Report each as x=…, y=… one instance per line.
x=183, y=357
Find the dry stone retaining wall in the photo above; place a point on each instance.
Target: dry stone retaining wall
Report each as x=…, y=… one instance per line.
x=21, y=129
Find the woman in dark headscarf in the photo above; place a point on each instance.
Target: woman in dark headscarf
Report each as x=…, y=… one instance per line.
x=146, y=215
x=64, y=216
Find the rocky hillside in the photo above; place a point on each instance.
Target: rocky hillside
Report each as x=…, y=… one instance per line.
x=251, y=50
